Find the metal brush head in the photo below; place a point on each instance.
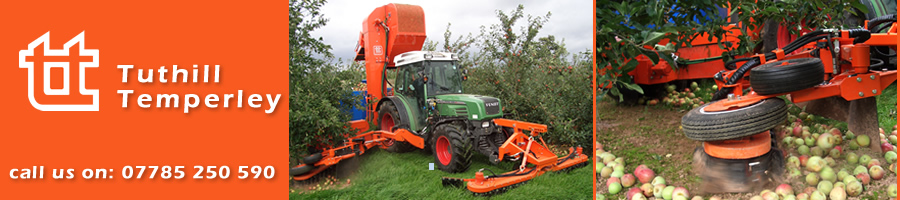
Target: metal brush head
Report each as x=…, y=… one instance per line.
x=454, y=182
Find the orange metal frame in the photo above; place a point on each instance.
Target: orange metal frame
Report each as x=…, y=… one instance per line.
x=524, y=146
x=854, y=80
x=744, y=148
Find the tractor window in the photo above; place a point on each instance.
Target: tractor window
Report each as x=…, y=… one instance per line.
x=444, y=78
x=409, y=80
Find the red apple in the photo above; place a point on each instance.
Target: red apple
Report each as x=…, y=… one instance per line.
x=885, y=147
x=784, y=190
x=644, y=174
x=627, y=180
x=863, y=178
x=877, y=172
x=835, y=131
x=803, y=159
x=631, y=192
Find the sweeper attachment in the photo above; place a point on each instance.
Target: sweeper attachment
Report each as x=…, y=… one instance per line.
x=535, y=157
x=737, y=153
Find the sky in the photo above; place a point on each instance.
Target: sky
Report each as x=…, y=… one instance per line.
x=570, y=20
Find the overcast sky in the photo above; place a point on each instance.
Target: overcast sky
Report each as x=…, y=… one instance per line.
x=570, y=20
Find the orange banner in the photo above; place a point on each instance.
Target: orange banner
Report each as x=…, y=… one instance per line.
x=217, y=97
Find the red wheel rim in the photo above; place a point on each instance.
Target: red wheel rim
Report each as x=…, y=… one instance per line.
x=442, y=150
x=387, y=121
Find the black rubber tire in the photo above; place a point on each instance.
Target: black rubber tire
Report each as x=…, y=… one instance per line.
x=732, y=124
x=787, y=76
x=300, y=170
x=389, y=109
x=461, y=150
x=312, y=159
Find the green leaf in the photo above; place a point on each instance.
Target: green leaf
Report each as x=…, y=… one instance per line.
x=654, y=57
x=633, y=86
x=629, y=66
x=859, y=6
x=668, y=58
x=653, y=37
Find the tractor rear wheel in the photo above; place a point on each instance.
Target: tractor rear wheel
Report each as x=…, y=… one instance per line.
x=787, y=76
x=762, y=116
x=388, y=118
x=452, y=150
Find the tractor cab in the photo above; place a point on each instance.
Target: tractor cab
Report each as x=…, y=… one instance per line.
x=431, y=83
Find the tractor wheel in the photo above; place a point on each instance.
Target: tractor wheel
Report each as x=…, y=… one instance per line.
x=787, y=76
x=701, y=125
x=452, y=150
x=388, y=118
x=300, y=170
x=312, y=159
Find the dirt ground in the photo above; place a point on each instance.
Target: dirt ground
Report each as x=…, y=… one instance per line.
x=645, y=135
x=651, y=135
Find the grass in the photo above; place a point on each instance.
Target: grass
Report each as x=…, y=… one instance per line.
x=887, y=108
x=383, y=175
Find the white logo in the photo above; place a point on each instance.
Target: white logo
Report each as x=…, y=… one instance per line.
x=378, y=50
x=55, y=55
x=492, y=104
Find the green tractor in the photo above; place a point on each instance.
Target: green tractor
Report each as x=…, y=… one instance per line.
x=430, y=102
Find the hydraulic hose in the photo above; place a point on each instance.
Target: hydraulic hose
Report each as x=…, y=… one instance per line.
x=861, y=35
x=875, y=23
x=875, y=26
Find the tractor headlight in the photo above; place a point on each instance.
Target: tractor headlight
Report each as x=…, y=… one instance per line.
x=485, y=124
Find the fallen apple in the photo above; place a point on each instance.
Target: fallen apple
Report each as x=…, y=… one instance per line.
x=784, y=190
x=614, y=188
x=627, y=180
x=876, y=172
x=680, y=193
x=825, y=141
x=863, y=140
x=812, y=179
x=825, y=186
x=667, y=192
x=817, y=195
x=865, y=159
x=658, y=180
x=892, y=190
x=606, y=172
x=769, y=195
x=837, y=194
x=864, y=178
x=843, y=173
x=803, y=150
x=632, y=192
x=828, y=174
x=815, y=164
x=816, y=151
x=658, y=190
x=886, y=147
x=854, y=189
x=803, y=160
x=647, y=189
x=644, y=174
x=793, y=162
x=852, y=158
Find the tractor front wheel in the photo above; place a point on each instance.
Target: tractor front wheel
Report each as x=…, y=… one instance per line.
x=452, y=150
x=388, y=118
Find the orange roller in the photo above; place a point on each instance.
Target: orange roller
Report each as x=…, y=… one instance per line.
x=745, y=148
